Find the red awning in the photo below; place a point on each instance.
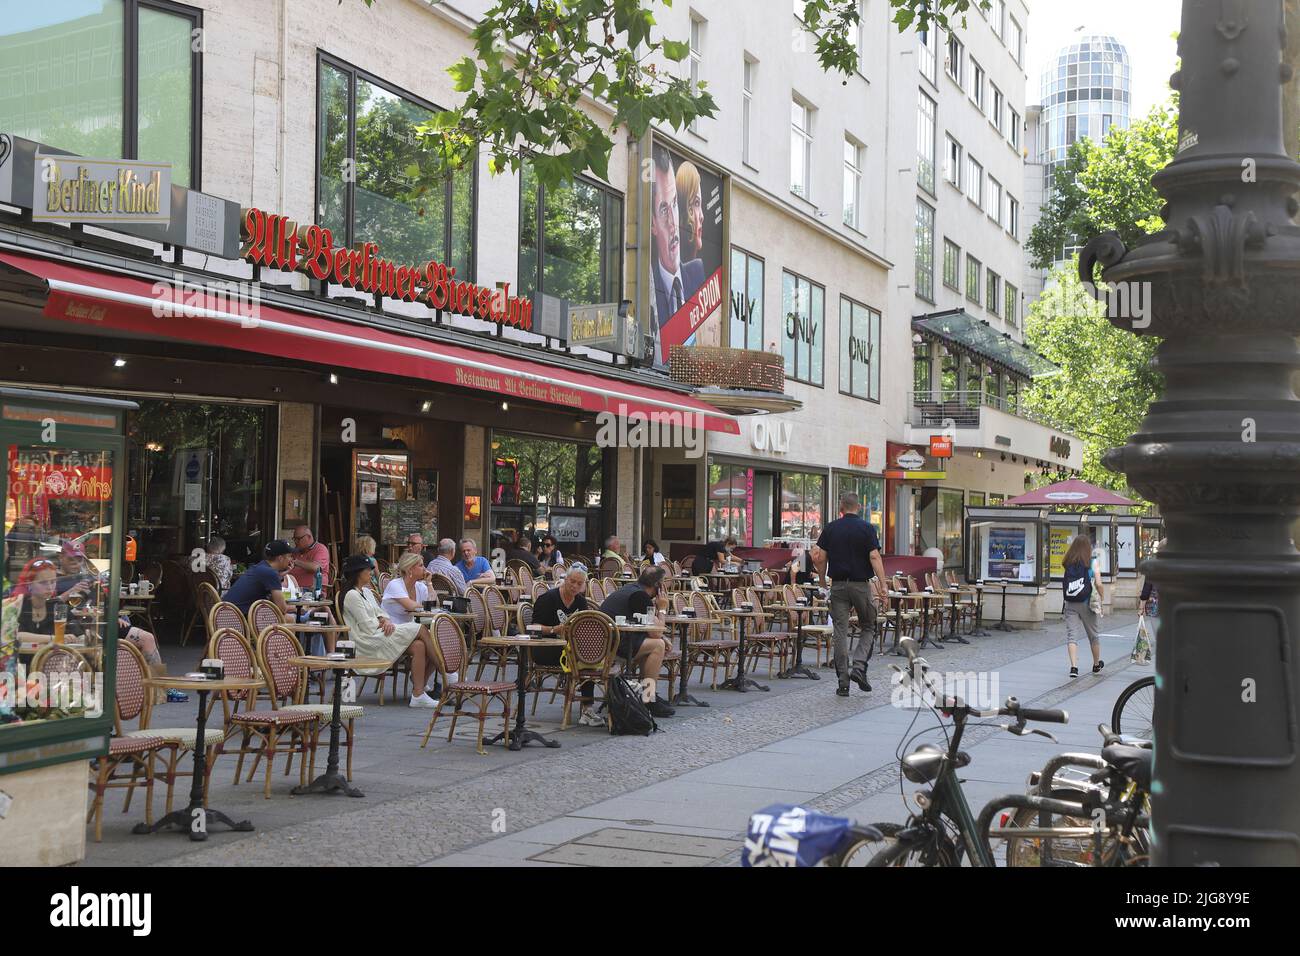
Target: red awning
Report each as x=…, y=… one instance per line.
x=205, y=316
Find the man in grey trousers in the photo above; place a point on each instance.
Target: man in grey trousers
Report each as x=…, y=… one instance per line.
x=850, y=547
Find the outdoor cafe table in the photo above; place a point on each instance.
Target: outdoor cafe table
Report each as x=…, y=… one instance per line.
x=683, y=699
x=524, y=643
x=954, y=615
x=513, y=590
x=741, y=682
x=724, y=581
x=138, y=603
x=194, y=816
x=922, y=600
x=311, y=627
x=331, y=780
x=1003, y=583
x=802, y=611
x=461, y=619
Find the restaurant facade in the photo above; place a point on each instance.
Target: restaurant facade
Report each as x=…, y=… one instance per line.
x=302, y=326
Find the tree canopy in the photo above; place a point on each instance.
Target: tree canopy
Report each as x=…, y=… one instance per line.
x=1107, y=186
x=535, y=60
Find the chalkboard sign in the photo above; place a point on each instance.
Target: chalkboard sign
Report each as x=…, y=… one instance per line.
x=402, y=518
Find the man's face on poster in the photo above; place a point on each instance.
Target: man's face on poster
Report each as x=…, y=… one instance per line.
x=665, y=226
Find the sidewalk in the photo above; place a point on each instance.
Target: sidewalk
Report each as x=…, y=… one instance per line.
x=847, y=767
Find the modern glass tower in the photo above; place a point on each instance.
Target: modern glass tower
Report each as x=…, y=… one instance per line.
x=1085, y=91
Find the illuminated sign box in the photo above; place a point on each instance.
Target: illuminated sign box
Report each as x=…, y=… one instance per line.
x=727, y=368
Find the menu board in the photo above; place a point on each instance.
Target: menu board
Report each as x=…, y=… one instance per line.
x=401, y=518
x=1058, y=544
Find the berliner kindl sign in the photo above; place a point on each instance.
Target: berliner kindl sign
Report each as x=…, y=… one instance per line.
x=76, y=189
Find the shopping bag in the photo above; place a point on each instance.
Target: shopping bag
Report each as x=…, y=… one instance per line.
x=1142, y=646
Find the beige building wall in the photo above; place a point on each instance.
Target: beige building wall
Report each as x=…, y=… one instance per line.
x=297, y=461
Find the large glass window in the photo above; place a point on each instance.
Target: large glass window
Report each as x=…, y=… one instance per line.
x=1010, y=304
x=107, y=79
x=542, y=485
x=802, y=498
x=974, y=181
x=731, y=504
x=196, y=470
x=925, y=136
x=925, y=250
x=376, y=181
x=952, y=265
x=803, y=303
x=801, y=149
x=950, y=515
x=570, y=241
x=746, y=300
x=853, y=161
x=747, y=108
x=952, y=162
x=994, y=300
x=921, y=368
x=859, y=350
x=927, y=42
x=871, y=495
x=973, y=286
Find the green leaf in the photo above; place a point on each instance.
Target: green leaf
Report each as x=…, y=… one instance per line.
x=676, y=50
x=463, y=72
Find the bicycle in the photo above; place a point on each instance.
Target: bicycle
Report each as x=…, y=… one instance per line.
x=1135, y=709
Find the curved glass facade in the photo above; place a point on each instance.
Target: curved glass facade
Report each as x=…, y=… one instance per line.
x=1084, y=92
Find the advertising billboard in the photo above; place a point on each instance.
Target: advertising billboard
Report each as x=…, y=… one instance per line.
x=687, y=271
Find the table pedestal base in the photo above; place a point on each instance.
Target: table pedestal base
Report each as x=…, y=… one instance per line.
x=684, y=699
x=185, y=819
x=520, y=737
x=1003, y=626
x=956, y=639
x=741, y=683
x=329, y=782
x=799, y=670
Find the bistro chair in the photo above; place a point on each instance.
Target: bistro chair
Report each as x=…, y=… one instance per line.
x=540, y=587
x=266, y=731
x=231, y=647
x=610, y=567
x=262, y=614
x=134, y=703
x=208, y=597
x=593, y=642
x=772, y=642
x=451, y=657
x=134, y=753
x=223, y=615
x=596, y=587
x=348, y=714
x=60, y=663
x=442, y=584
x=498, y=625
x=201, y=601
x=709, y=651
x=523, y=572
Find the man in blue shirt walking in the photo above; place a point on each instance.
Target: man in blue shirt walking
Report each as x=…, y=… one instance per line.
x=850, y=547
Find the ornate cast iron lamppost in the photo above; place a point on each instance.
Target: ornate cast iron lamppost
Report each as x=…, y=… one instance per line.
x=1220, y=452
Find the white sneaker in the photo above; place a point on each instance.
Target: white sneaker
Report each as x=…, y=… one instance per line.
x=453, y=678
x=424, y=700
x=588, y=718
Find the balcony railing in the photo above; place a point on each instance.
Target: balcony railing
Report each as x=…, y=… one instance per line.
x=933, y=409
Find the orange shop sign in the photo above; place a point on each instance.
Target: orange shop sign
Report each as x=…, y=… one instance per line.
x=940, y=446
x=859, y=455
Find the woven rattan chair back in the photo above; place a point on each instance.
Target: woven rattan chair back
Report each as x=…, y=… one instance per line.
x=224, y=614
x=275, y=646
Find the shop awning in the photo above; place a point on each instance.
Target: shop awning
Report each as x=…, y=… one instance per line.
x=201, y=315
x=965, y=332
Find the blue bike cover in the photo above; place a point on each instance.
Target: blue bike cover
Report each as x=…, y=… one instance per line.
x=788, y=835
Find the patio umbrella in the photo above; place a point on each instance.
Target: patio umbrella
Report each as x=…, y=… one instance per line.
x=1072, y=492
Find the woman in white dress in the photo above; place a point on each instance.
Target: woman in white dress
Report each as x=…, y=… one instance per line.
x=376, y=636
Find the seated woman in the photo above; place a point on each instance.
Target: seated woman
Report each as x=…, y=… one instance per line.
x=406, y=592
x=218, y=563
x=650, y=551
x=376, y=636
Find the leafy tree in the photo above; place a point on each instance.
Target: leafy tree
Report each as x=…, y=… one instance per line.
x=1107, y=186
x=535, y=59
x=1106, y=380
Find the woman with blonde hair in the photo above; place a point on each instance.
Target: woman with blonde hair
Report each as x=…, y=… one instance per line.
x=367, y=546
x=1081, y=576
x=689, y=195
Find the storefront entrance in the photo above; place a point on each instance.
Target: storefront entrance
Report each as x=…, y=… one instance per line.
x=757, y=507
x=544, y=485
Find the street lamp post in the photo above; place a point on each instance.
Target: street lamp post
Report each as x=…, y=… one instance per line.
x=1220, y=452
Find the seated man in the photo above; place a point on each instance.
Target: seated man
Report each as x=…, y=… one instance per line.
x=311, y=556
x=520, y=551
x=473, y=567
x=263, y=580
x=645, y=595
x=441, y=564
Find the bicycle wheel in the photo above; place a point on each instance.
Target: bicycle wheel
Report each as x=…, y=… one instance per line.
x=857, y=852
x=895, y=852
x=1135, y=709
x=1064, y=851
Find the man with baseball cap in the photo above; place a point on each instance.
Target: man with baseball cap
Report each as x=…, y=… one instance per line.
x=263, y=580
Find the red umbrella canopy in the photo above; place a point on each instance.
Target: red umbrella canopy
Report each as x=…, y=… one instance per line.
x=1072, y=492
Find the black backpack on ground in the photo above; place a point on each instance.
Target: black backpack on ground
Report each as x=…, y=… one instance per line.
x=627, y=712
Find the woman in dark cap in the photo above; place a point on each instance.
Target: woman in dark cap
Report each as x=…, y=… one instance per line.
x=376, y=636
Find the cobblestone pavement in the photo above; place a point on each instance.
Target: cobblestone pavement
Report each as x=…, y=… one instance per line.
x=455, y=811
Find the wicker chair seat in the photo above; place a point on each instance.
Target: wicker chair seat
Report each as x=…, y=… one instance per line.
x=346, y=711
x=184, y=736
x=483, y=686
x=125, y=746
x=281, y=716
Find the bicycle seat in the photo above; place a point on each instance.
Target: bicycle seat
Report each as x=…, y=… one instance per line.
x=1132, y=762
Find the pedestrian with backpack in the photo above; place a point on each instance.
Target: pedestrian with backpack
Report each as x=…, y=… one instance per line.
x=1080, y=582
